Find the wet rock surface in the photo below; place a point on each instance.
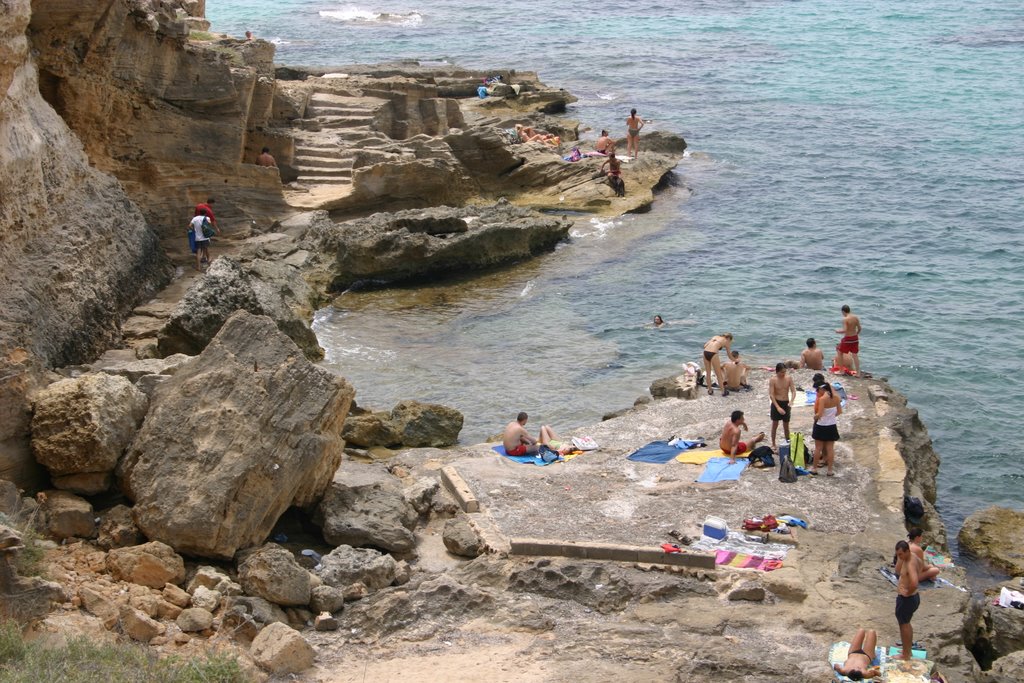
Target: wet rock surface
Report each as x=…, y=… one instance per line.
x=997, y=535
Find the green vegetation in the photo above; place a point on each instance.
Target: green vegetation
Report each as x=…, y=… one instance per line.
x=30, y=559
x=82, y=661
x=201, y=35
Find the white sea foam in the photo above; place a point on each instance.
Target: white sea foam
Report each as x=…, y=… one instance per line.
x=596, y=227
x=527, y=289
x=351, y=14
x=607, y=96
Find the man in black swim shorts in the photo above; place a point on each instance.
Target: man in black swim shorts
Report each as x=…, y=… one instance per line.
x=908, y=599
x=782, y=392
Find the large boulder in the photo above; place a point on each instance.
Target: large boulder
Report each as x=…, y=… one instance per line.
x=229, y=286
x=281, y=650
x=415, y=245
x=345, y=566
x=82, y=426
x=1008, y=669
x=152, y=564
x=367, y=506
x=67, y=516
x=997, y=535
x=234, y=439
x=460, y=538
x=273, y=574
x=420, y=425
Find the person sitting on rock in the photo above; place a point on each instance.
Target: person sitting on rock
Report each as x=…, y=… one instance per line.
x=518, y=442
x=812, y=357
x=265, y=159
x=925, y=571
x=857, y=666
x=736, y=373
x=604, y=144
x=614, y=174
x=528, y=134
x=730, y=440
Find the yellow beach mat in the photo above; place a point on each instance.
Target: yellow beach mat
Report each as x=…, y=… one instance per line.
x=700, y=457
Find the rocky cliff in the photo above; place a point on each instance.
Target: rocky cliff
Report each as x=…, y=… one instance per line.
x=78, y=253
x=175, y=120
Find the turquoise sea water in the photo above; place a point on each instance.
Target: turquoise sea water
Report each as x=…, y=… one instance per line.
x=863, y=152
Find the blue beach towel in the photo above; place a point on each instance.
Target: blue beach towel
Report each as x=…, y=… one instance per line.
x=661, y=452
x=524, y=459
x=719, y=469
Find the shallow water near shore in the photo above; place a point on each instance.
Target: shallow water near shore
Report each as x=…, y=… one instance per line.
x=862, y=153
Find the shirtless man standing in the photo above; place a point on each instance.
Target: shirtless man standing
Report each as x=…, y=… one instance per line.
x=857, y=666
x=736, y=372
x=713, y=362
x=812, y=357
x=926, y=572
x=730, y=439
x=850, y=343
x=782, y=392
x=907, y=599
x=517, y=442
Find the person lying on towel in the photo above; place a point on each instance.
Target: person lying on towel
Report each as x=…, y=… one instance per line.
x=857, y=666
x=518, y=442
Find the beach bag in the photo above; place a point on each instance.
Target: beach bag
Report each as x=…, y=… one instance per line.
x=584, y=443
x=548, y=455
x=762, y=457
x=787, y=471
x=796, y=449
x=207, y=229
x=766, y=523
x=913, y=510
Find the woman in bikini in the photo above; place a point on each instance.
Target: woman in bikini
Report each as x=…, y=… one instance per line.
x=827, y=408
x=857, y=666
x=713, y=362
x=633, y=125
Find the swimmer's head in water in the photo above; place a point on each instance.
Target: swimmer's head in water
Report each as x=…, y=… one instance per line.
x=658, y=320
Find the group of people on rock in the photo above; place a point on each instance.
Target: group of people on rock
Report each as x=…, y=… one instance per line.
x=732, y=376
x=912, y=567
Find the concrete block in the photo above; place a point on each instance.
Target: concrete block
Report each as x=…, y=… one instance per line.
x=535, y=546
x=458, y=487
x=689, y=560
x=612, y=551
x=574, y=550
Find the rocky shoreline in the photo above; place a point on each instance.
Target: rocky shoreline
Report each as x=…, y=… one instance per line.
x=204, y=484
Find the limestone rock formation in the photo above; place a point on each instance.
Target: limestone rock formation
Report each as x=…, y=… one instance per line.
x=327, y=599
x=281, y=650
x=366, y=506
x=417, y=245
x=229, y=286
x=61, y=304
x=82, y=426
x=66, y=515
x=345, y=566
x=138, y=625
x=194, y=619
x=172, y=118
x=410, y=424
x=152, y=564
x=23, y=599
x=460, y=538
x=117, y=529
x=273, y=574
x=135, y=370
x=997, y=535
x=231, y=441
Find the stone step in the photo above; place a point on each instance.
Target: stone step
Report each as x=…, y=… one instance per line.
x=324, y=180
x=333, y=162
x=344, y=121
x=306, y=171
x=321, y=110
x=332, y=100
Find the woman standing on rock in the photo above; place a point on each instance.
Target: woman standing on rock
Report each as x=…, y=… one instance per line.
x=827, y=408
x=633, y=125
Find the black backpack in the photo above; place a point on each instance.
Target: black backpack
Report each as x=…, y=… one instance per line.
x=787, y=470
x=913, y=510
x=762, y=454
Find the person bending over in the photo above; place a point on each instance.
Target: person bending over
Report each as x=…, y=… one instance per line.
x=713, y=362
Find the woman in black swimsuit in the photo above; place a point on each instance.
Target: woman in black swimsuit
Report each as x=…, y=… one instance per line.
x=713, y=362
x=857, y=666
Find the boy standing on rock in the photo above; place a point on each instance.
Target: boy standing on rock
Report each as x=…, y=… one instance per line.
x=850, y=343
x=907, y=599
x=782, y=392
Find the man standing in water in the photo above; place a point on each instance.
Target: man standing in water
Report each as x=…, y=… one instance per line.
x=907, y=598
x=633, y=125
x=782, y=392
x=850, y=343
